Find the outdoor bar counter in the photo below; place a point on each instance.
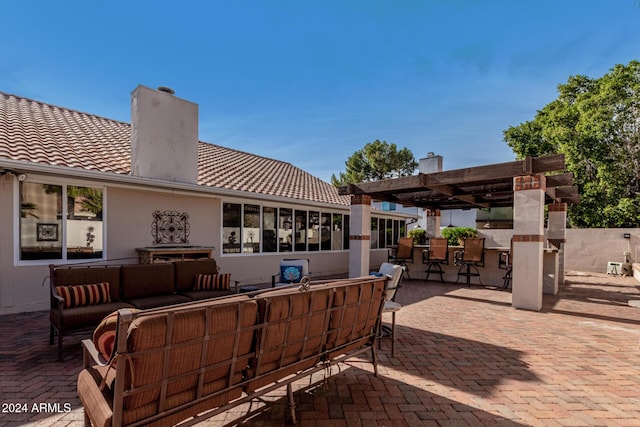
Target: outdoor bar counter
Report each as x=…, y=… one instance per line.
x=490, y=274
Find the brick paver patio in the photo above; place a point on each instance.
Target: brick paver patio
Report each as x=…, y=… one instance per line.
x=464, y=356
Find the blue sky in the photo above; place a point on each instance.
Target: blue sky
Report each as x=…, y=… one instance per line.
x=312, y=82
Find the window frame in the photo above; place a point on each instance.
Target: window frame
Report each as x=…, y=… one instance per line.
x=64, y=219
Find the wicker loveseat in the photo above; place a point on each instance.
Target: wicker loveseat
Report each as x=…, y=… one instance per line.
x=192, y=361
x=81, y=296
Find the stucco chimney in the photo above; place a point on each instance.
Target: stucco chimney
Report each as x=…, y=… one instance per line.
x=430, y=164
x=164, y=135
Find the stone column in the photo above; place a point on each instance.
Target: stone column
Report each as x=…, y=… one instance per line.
x=557, y=233
x=359, y=235
x=433, y=222
x=528, y=241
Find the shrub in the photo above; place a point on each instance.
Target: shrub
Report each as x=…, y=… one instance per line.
x=418, y=235
x=455, y=235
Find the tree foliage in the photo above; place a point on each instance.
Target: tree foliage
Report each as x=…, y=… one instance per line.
x=377, y=160
x=596, y=124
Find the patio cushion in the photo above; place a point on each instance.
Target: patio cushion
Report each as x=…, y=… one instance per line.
x=84, y=317
x=207, y=282
x=104, y=336
x=81, y=295
x=292, y=334
x=201, y=295
x=158, y=301
x=147, y=280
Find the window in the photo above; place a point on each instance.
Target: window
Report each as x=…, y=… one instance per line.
x=313, y=232
x=285, y=230
x=382, y=233
x=396, y=229
x=251, y=229
x=374, y=233
x=336, y=234
x=325, y=232
x=345, y=232
x=57, y=227
x=300, y=231
x=231, y=220
x=269, y=239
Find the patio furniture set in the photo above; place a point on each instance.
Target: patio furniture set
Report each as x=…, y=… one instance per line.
x=167, y=348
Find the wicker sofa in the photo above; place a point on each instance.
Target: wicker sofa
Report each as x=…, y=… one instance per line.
x=192, y=361
x=81, y=296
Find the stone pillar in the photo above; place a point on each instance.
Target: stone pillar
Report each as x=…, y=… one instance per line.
x=557, y=233
x=359, y=235
x=432, y=222
x=528, y=241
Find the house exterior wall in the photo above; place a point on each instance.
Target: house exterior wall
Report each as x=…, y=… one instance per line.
x=21, y=288
x=24, y=286
x=130, y=216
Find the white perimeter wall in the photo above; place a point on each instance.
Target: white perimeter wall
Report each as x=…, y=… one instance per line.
x=589, y=249
x=586, y=249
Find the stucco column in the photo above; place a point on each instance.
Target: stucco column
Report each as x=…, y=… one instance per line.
x=528, y=241
x=557, y=233
x=359, y=235
x=433, y=222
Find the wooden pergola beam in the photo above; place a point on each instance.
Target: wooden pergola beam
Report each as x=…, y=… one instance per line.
x=457, y=177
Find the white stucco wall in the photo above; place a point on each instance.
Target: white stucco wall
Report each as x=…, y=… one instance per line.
x=591, y=249
x=586, y=249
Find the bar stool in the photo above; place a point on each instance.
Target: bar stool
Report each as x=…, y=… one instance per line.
x=435, y=256
x=505, y=262
x=402, y=254
x=470, y=258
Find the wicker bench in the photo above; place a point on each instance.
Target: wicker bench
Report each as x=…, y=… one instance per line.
x=192, y=361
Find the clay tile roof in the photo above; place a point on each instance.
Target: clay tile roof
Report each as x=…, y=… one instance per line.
x=36, y=132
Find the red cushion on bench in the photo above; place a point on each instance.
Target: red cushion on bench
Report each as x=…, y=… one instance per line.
x=104, y=336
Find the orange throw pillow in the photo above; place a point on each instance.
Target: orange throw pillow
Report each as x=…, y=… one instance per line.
x=212, y=282
x=81, y=295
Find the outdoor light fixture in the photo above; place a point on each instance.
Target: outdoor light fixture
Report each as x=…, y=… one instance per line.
x=19, y=176
x=488, y=223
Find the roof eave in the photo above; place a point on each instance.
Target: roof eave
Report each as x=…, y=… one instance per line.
x=152, y=184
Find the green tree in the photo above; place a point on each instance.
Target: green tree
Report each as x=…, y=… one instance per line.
x=377, y=160
x=596, y=124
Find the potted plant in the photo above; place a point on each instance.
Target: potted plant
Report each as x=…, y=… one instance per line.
x=418, y=235
x=456, y=235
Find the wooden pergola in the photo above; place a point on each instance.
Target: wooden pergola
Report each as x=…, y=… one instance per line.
x=526, y=185
x=475, y=187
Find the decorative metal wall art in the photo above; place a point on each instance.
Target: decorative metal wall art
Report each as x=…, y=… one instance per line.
x=170, y=227
x=47, y=232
